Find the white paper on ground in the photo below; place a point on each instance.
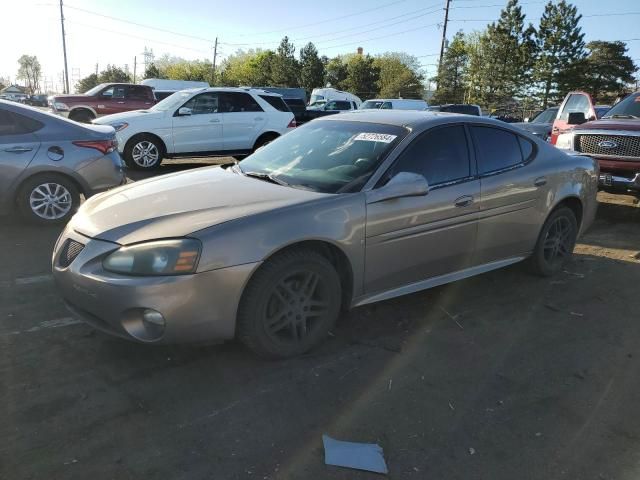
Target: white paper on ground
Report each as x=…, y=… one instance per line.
x=361, y=456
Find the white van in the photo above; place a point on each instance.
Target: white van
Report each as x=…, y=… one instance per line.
x=394, y=104
x=320, y=96
x=163, y=88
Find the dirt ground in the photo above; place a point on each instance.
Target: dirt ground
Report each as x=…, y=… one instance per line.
x=502, y=376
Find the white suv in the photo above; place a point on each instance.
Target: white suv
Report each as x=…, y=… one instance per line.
x=203, y=121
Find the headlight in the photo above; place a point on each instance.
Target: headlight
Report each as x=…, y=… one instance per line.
x=120, y=126
x=565, y=141
x=61, y=107
x=162, y=257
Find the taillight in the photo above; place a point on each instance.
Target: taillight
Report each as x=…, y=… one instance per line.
x=292, y=123
x=103, y=146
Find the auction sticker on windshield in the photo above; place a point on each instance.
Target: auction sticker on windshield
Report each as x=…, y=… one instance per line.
x=376, y=137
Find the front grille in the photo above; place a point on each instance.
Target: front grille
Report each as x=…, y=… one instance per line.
x=70, y=250
x=620, y=145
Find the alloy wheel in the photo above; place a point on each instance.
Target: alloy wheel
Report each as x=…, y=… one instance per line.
x=558, y=242
x=145, y=154
x=296, y=306
x=50, y=201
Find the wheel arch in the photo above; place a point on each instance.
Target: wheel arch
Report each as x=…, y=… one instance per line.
x=147, y=134
x=82, y=188
x=271, y=134
x=574, y=204
x=80, y=108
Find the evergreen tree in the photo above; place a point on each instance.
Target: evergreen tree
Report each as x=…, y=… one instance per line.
x=87, y=83
x=559, y=51
x=311, y=68
x=284, y=69
x=335, y=73
x=152, y=71
x=607, y=70
x=452, y=72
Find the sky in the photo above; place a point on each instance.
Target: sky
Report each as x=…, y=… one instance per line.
x=96, y=34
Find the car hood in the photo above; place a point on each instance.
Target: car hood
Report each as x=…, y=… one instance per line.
x=128, y=116
x=70, y=98
x=610, y=124
x=178, y=204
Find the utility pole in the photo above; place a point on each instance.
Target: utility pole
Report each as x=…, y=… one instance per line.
x=64, y=49
x=213, y=67
x=96, y=69
x=135, y=66
x=444, y=37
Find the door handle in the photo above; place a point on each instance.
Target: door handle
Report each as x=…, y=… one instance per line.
x=464, y=201
x=18, y=149
x=540, y=181
x=214, y=120
x=121, y=103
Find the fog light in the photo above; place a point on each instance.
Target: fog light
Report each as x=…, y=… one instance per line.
x=153, y=317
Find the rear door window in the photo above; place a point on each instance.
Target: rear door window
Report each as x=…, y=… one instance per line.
x=441, y=155
x=497, y=149
x=135, y=92
x=236, y=102
x=15, y=124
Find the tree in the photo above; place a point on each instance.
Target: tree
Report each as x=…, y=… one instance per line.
x=250, y=68
x=30, y=71
x=311, y=68
x=452, y=72
x=606, y=70
x=87, y=83
x=113, y=74
x=362, y=76
x=195, y=70
x=399, y=76
x=559, y=50
x=335, y=73
x=152, y=72
x=284, y=68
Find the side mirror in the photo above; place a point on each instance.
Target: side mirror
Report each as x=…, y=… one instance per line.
x=526, y=120
x=402, y=184
x=576, y=118
x=184, y=111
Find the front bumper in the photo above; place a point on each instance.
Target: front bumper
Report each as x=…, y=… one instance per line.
x=196, y=308
x=618, y=183
x=62, y=113
x=103, y=173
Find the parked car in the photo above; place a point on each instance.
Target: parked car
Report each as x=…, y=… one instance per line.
x=321, y=96
x=507, y=115
x=344, y=211
x=163, y=88
x=540, y=124
x=613, y=140
x=394, y=104
x=465, y=108
x=295, y=98
x=103, y=99
x=204, y=121
x=47, y=162
x=576, y=102
x=328, y=108
x=36, y=100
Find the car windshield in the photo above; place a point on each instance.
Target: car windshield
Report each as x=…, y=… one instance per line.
x=317, y=99
x=371, y=104
x=96, y=89
x=547, y=116
x=627, y=108
x=325, y=156
x=172, y=101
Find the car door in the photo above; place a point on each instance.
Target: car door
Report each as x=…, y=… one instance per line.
x=415, y=238
x=511, y=191
x=243, y=120
x=200, y=130
x=18, y=146
x=112, y=100
x=579, y=102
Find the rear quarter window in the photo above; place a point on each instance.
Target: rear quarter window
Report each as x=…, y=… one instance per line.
x=15, y=124
x=276, y=102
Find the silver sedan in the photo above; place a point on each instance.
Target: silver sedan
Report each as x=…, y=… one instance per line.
x=47, y=162
x=347, y=210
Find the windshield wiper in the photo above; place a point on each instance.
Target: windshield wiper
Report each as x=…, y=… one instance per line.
x=266, y=176
x=619, y=115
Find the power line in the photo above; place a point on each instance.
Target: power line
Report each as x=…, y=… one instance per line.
x=380, y=37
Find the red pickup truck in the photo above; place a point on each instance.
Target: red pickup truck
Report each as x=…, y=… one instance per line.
x=613, y=140
x=103, y=99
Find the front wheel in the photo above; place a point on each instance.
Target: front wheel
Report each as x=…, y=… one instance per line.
x=143, y=152
x=556, y=242
x=289, y=305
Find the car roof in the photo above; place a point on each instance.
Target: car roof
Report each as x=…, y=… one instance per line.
x=407, y=118
x=395, y=100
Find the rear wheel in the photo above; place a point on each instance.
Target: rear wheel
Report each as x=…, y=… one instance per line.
x=143, y=152
x=290, y=304
x=48, y=199
x=556, y=242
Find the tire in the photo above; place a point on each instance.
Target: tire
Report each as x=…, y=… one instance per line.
x=48, y=199
x=556, y=242
x=264, y=140
x=290, y=304
x=82, y=116
x=143, y=152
